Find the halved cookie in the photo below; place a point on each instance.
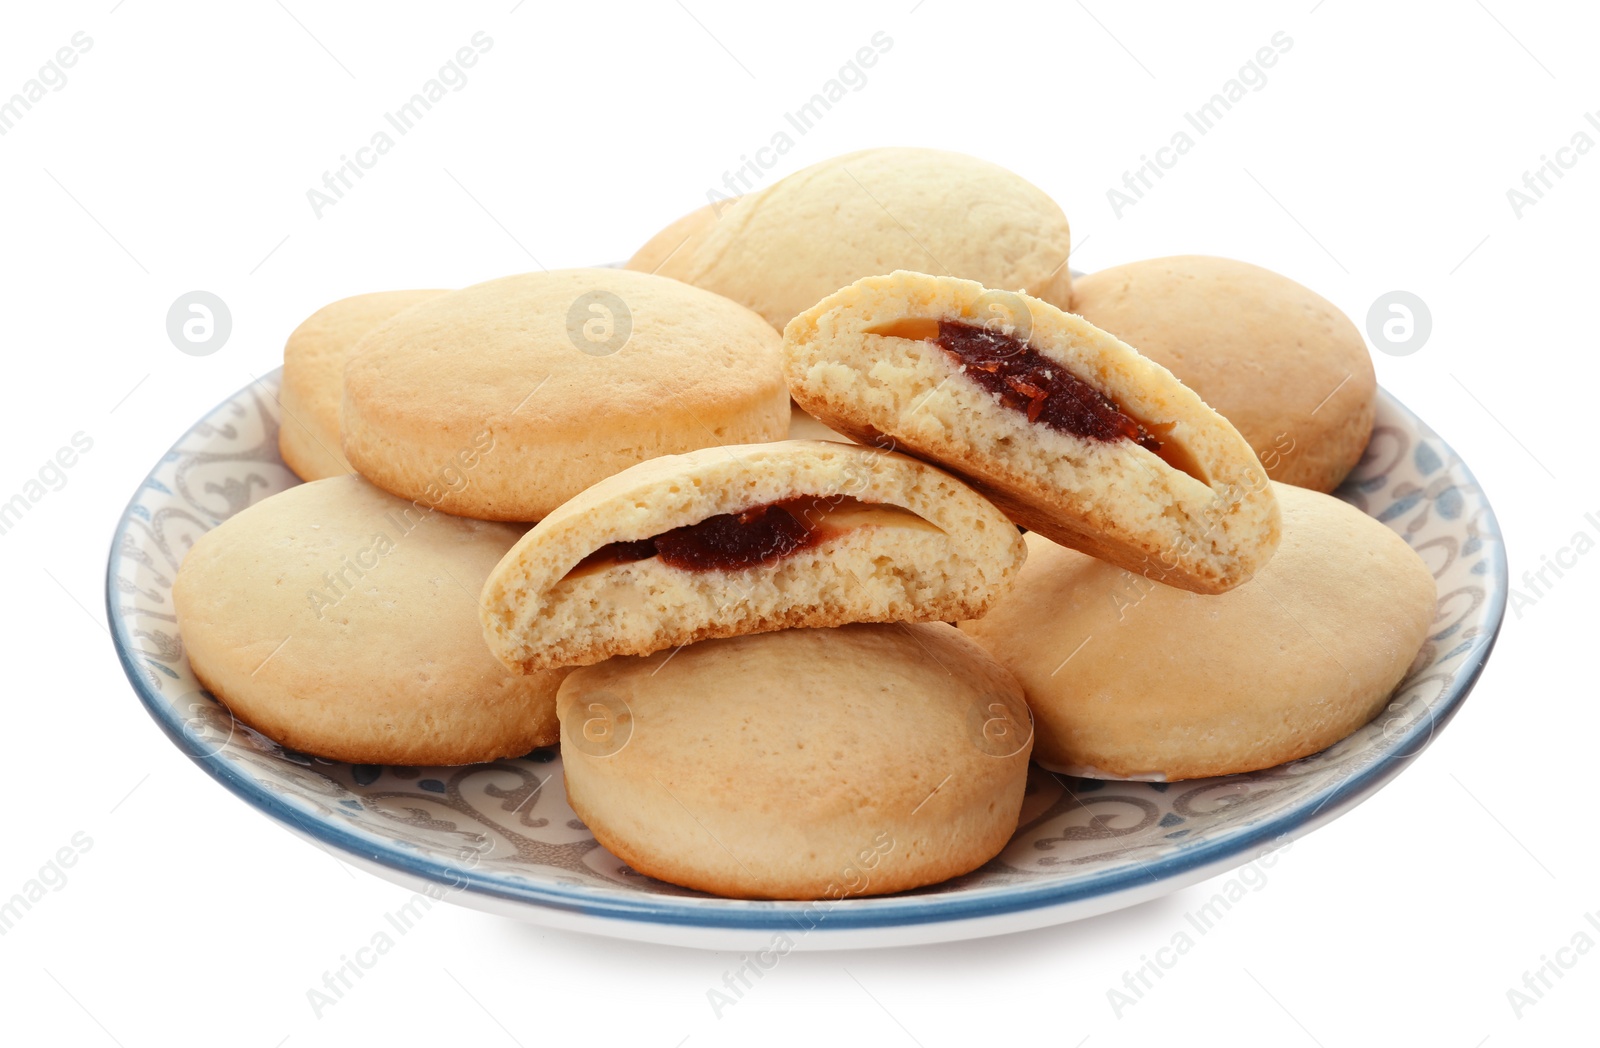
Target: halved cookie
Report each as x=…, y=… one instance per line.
x=1071, y=432
x=727, y=541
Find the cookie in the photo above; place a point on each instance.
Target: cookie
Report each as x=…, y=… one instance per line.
x=503, y=400
x=1065, y=428
x=681, y=235
x=728, y=541
x=803, y=764
x=1131, y=679
x=1280, y=362
x=313, y=377
x=804, y=427
x=342, y=622
x=782, y=248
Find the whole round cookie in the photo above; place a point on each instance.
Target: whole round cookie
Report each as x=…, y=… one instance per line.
x=1279, y=361
x=313, y=377
x=802, y=764
x=343, y=622
x=781, y=249
x=1128, y=678
x=503, y=400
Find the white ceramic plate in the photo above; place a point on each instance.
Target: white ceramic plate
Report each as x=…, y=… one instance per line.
x=500, y=837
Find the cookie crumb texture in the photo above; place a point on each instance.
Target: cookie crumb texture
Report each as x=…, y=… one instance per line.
x=1206, y=529
x=953, y=550
x=805, y=764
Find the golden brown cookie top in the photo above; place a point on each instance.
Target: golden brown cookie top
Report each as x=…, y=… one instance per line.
x=810, y=763
x=595, y=343
x=781, y=249
x=855, y=712
x=312, y=387
x=1279, y=361
x=1132, y=677
x=346, y=620
x=548, y=382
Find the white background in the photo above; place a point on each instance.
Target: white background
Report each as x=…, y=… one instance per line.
x=1377, y=157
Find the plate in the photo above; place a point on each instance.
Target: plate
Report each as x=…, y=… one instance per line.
x=500, y=837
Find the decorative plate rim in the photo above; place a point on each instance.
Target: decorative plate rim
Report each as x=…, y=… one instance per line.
x=852, y=914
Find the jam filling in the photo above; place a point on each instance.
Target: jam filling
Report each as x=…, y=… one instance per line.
x=733, y=541
x=1027, y=381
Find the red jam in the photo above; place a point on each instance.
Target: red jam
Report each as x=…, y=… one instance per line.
x=730, y=541
x=1027, y=381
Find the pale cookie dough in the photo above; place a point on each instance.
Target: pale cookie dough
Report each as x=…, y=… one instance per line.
x=746, y=539
x=1193, y=508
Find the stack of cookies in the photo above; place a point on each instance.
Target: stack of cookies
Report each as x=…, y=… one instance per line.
x=1083, y=524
